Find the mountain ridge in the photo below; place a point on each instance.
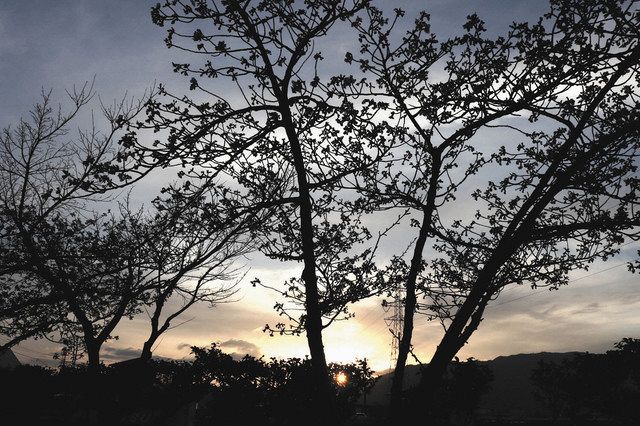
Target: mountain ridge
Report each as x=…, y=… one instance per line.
x=511, y=391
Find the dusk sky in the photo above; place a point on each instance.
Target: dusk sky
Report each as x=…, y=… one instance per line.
x=48, y=44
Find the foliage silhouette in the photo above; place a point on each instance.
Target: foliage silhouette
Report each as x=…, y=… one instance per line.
x=70, y=273
x=148, y=392
x=561, y=192
x=592, y=385
x=58, y=275
x=255, y=391
x=283, y=158
x=281, y=139
x=558, y=101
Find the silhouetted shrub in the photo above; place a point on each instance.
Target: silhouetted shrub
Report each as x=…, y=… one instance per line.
x=593, y=386
x=253, y=391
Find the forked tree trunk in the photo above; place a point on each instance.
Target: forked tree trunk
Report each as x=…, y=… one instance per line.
x=93, y=356
x=146, y=349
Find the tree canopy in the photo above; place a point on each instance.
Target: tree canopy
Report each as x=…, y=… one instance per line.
x=504, y=159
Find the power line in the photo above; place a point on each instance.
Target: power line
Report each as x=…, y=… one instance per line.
x=597, y=272
x=39, y=360
x=36, y=352
x=544, y=289
x=570, y=281
x=512, y=289
x=22, y=348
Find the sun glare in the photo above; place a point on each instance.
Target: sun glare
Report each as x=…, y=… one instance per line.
x=342, y=378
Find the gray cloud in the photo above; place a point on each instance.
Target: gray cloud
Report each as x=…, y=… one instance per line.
x=57, y=44
x=182, y=346
x=119, y=354
x=242, y=348
x=588, y=309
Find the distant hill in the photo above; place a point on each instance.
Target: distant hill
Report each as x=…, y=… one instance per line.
x=511, y=393
x=8, y=359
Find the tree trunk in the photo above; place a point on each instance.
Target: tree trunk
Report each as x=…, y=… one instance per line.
x=325, y=405
x=465, y=322
x=395, y=403
x=153, y=338
x=155, y=332
x=146, y=349
x=93, y=356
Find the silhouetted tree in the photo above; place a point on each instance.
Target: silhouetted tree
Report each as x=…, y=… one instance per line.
x=605, y=385
x=59, y=272
x=464, y=384
x=566, y=192
x=550, y=380
x=190, y=252
x=71, y=274
x=568, y=195
x=617, y=397
x=279, y=138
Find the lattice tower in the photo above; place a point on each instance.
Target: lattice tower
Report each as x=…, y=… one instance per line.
x=395, y=320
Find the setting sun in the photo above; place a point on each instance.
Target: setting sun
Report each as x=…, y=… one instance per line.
x=315, y=202
x=342, y=378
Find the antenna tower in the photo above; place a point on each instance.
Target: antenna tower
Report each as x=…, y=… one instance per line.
x=395, y=320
